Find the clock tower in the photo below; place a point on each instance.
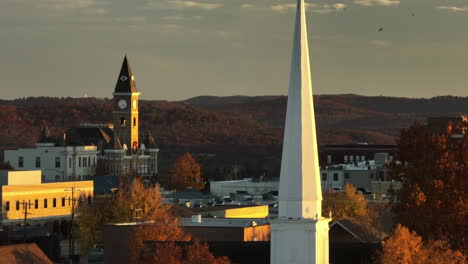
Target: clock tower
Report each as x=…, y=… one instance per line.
x=125, y=113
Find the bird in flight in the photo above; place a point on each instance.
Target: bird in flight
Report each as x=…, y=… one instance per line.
x=380, y=29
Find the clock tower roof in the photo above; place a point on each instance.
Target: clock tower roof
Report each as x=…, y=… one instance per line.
x=126, y=80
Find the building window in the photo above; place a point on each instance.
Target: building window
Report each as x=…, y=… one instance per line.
x=134, y=121
x=79, y=162
x=45, y=203
x=363, y=158
x=324, y=176
x=36, y=204
x=122, y=121
x=38, y=162
x=335, y=176
x=345, y=158
x=20, y=162
x=346, y=175
x=84, y=162
x=381, y=176
x=94, y=161
x=69, y=163
x=89, y=161
x=57, y=162
x=63, y=201
x=351, y=158
x=54, y=202
x=7, y=206
x=29, y=204
x=17, y=205
x=329, y=159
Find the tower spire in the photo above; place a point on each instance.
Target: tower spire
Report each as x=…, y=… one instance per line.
x=300, y=194
x=300, y=234
x=126, y=80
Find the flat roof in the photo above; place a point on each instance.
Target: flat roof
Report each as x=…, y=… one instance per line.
x=208, y=222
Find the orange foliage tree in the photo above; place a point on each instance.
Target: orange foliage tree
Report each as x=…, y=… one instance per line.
x=433, y=169
x=135, y=202
x=185, y=173
x=193, y=253
x=405, y=247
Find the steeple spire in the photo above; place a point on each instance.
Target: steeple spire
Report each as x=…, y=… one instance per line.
x=149, y=141
x=126, y=80
x=300, y=194
x=45, y=136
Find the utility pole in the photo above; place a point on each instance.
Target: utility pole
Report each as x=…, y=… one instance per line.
x=71, y=242
x=25, y=207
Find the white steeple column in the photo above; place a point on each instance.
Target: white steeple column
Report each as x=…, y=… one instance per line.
x=300, y=194
x=300, y=234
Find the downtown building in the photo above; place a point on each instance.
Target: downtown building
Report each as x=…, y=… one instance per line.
x=90, y=149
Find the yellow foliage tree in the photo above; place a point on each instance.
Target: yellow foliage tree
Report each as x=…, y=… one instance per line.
x=347, y=205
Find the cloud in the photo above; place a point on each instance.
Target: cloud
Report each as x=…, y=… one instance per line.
x=170, y=27
x=246, y=5
x=316, y=8
x=205, y=6
x=453, y=8
x=377, y=2
x=227, y=34
x=86, y=7
x=282, y=8
x=381, y=43
x=326, y=8
x=181, y=4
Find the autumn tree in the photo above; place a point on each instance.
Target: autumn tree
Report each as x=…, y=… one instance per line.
x=433, y=169
x=405, y=247
x=185, y=173
x=192, y=253
x=347, y=205
x=133, y=201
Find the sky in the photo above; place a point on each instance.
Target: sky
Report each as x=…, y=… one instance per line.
x=179, y=49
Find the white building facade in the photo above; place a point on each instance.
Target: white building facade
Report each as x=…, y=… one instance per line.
x=57, y=163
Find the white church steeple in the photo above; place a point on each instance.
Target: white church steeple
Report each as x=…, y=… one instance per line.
x=300, y=194
x=300, y=234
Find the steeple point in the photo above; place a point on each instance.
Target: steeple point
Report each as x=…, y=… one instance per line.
x=126, y=80
x=300, y=194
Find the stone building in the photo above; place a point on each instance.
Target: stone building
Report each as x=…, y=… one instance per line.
x=120, y=151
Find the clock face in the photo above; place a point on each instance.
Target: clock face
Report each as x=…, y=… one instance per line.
x=123, y=78
x=122, y=103
x=134, y=104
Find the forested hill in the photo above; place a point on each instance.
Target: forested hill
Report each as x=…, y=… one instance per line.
x=217, y=122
